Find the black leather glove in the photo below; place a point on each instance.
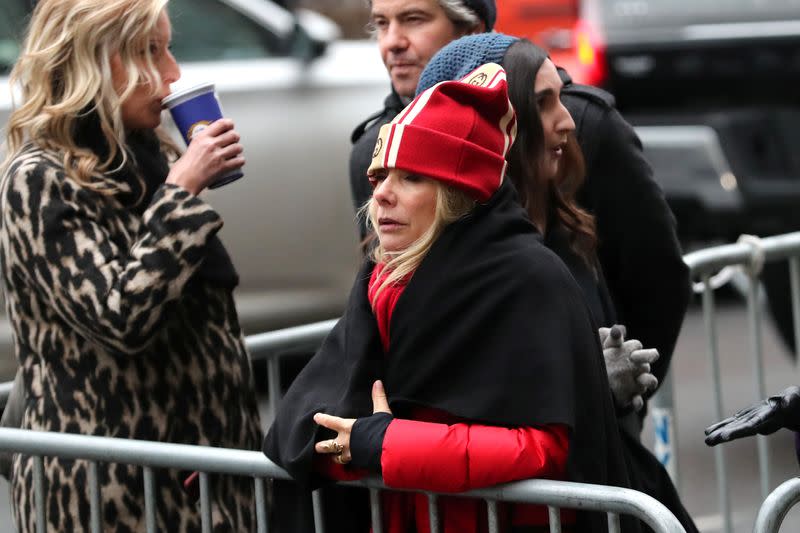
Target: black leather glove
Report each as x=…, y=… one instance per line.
x=764, y=418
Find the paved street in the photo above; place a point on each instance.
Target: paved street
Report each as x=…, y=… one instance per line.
x=695, y=412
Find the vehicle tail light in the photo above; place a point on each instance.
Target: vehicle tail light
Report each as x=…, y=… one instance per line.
x=562, y=27
x=592, y=68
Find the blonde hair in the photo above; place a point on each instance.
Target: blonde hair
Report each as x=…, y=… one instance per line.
x=64, y=73
x=451, y=205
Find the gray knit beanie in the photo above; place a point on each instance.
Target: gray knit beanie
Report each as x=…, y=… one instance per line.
x=464, y=55
x=485, y=9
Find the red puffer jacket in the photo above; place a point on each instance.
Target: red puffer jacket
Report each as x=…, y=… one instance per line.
x=435, y=451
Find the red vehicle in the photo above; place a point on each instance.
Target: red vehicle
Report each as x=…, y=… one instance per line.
x=574, y=42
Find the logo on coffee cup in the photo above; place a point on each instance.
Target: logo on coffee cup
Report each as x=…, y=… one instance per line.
x=197, y=127
x=378, y=146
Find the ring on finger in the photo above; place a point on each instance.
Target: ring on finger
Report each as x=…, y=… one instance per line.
x=336, y=447
x=339, y=458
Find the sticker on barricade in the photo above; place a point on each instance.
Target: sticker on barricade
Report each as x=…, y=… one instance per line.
x=665, y=439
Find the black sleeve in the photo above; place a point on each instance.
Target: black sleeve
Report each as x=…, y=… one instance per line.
x=366, y=441
x=638, y=245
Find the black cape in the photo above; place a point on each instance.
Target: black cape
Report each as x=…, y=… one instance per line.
x=646, y=472
x=491, y=328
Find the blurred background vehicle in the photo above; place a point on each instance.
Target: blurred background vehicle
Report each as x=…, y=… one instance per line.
x=295, y=91
x=711, y=87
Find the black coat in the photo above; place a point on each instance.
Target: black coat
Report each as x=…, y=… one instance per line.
x=645, y=471
x=638, y=247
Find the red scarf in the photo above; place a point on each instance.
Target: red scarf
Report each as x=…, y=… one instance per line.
x=383, y=306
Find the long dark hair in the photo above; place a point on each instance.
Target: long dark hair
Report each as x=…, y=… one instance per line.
x=544, y=199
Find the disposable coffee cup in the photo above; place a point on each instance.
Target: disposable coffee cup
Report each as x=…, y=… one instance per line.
x=193, y=109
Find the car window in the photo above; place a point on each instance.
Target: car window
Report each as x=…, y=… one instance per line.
x=203, y=30
x=13, y=14
x=209, y=30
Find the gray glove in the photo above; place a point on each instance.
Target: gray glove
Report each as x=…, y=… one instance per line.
x=628, y=367
x=764, y=417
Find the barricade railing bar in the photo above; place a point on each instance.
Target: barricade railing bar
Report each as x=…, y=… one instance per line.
x=709, y=265
x=272, y=345
x=776, y=506
x=150, y=455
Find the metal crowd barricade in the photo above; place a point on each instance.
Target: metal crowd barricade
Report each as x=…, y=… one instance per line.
x=271, y=346
x=774, y=509
x=150, y=455
x=710, y=265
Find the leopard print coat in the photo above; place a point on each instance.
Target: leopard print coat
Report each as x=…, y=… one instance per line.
x=117, y=337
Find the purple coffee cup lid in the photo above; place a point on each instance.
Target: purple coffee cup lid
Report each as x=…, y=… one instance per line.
x=182, y=96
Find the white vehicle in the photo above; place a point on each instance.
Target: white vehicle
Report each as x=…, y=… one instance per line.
x=295, y=93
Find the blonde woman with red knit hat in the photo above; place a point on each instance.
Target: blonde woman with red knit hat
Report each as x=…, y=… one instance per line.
x=466, y=356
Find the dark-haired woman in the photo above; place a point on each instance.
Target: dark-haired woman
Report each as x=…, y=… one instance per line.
x=547, y=168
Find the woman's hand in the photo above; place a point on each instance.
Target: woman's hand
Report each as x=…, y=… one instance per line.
x=212, y=152
x=628, y=367
x=339, y=447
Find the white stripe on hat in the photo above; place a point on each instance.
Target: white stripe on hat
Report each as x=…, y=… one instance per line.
x=393, y=148
x=505, y=121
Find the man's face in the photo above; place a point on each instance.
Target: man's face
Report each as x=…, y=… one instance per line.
x=409, y=33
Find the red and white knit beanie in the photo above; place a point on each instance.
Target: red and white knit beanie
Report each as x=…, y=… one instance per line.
x=457, y=132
